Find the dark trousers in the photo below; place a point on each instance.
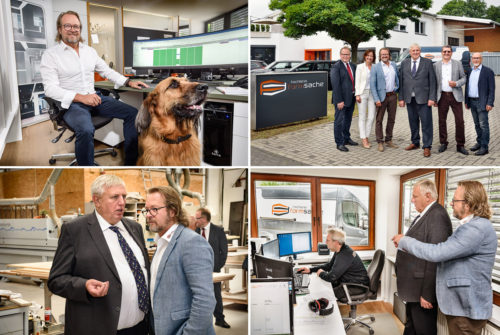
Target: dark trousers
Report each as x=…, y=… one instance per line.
x=219, y=307
x=342, y=124
x=460, y=325
x=448, y=100
x=78, y=117
x=420, y=321
x=481, y=123
x=389, y=104
x=420, y=114
x=139, y=329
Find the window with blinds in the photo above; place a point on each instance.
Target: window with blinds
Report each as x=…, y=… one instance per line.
x=239, y=18
x=490, y=178
x=215, y=25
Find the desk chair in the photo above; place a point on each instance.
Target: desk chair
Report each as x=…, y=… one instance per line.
x=56, y=113
x=369, y=292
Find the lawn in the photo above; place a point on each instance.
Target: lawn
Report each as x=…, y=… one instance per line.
x=266, y=133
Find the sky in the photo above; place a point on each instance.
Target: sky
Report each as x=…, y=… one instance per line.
x=259, y=8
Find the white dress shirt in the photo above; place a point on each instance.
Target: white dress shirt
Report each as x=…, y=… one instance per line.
x=466, y=219
x=425, y=210
x=446, y=77
x=161, y=245
x=66, y=73
x=207, y=231
x=130, y=314
x=390, y=77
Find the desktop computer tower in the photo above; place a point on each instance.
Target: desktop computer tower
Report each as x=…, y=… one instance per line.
x=218, y=133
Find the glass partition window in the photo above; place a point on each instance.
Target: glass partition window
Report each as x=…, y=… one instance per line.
x=409, y=213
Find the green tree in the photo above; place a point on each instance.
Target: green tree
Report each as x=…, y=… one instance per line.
x=493, y=13
x=352, y=21
x=469, y=8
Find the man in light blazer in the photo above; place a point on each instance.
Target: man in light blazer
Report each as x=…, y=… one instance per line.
x=384, y=84
x=450, y=78
x=479, y=97
x=465, y=261
x=342, y=76
x=217, y=239
x=182, y=293
x=416, y=278
x=104, y=294
x=417, y=83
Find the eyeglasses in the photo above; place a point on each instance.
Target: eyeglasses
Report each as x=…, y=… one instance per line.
x=446, y=52
x=454, y=200
x=153, y=211
x=68, y=27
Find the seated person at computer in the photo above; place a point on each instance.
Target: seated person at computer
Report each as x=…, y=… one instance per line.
x=344, y=267
x=67, y=71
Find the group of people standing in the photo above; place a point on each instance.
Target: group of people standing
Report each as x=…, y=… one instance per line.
x=419, y=85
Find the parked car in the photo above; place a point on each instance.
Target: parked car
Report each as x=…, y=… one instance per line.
x=282, y=65
x=257, y=66
x=316, y=65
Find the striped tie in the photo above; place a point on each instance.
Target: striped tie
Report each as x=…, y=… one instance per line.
x=140, y=281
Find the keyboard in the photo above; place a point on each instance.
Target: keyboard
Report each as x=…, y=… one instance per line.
x=301, y=280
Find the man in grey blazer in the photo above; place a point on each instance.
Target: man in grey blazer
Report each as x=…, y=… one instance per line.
x=417, y=89
x=101, y=267
x=450, y=78
x=182, y=293
x=217, y=239
x=465, y=261
x=416, y=278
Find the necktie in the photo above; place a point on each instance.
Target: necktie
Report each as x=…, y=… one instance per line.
x=203, y=233
x=350, y=75
x=140, y=281
x=414, y=68
x=415, y=220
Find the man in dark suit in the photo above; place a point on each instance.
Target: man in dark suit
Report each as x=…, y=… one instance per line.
x=217, y=239
x=416, y=278
x=479, y=97
x=417, y=88
x=343, y=79
x=101, y=267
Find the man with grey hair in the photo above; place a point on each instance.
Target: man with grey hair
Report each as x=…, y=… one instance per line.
x=344, y=267
x=416, y=278
x=101, y=267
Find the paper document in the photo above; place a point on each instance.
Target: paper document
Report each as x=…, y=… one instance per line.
x=232, y=90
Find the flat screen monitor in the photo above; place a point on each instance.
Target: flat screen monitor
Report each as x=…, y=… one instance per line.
x=271, y=306
x=273, y=268
x=222, y=49
x=271, y=249
x=294, y=243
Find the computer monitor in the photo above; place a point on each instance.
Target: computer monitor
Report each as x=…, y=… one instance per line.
x=273, y=268
x=294, y=243
x=272, y=306
x=225, y=50
x=271, y=249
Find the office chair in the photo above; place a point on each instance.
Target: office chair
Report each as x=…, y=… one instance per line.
x=56, y=113
x=369, y=292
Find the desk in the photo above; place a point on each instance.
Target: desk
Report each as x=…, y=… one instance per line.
x=235, y=261
x=13, y=319
x=113, y=131
x=306, y=321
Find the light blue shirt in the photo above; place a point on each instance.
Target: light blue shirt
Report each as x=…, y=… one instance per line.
x=474, y=81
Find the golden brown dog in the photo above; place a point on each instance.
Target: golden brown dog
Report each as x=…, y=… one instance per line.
x=168, y=121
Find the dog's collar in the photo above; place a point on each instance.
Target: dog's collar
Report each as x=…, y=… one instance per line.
x=177, y=141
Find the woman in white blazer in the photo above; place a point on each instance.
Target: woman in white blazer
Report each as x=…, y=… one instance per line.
x=364, y=98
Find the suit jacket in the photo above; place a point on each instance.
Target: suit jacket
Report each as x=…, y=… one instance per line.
x=457, y=74
x=486, y=88
x=82, y=253
x=218, y=241
x=466, y=260
x=415, y=277
x=377, y=81
x=342, y=84
x=183, y=300
x=424, y=83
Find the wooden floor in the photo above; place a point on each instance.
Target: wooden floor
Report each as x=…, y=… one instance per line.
x=372, y=307
x=36, y=148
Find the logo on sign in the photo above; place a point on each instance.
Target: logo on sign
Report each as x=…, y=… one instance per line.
x=272, y=87
x=279, y=209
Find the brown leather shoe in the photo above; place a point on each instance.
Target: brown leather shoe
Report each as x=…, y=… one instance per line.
x=427, y=152
x=391, y=145
x=380, y=147
x=412, y=147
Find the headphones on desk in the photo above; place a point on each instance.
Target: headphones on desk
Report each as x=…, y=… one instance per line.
x=320, y=306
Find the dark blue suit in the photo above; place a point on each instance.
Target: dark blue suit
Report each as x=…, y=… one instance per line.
x=486, y=90
x=342, y=91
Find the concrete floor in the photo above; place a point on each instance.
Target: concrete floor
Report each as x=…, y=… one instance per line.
x=236, y=314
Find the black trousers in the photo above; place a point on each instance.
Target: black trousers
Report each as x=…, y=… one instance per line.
x=420, y=321
x=139, y=329
x=219, y=307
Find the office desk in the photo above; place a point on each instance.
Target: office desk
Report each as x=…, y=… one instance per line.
x=306, y=321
